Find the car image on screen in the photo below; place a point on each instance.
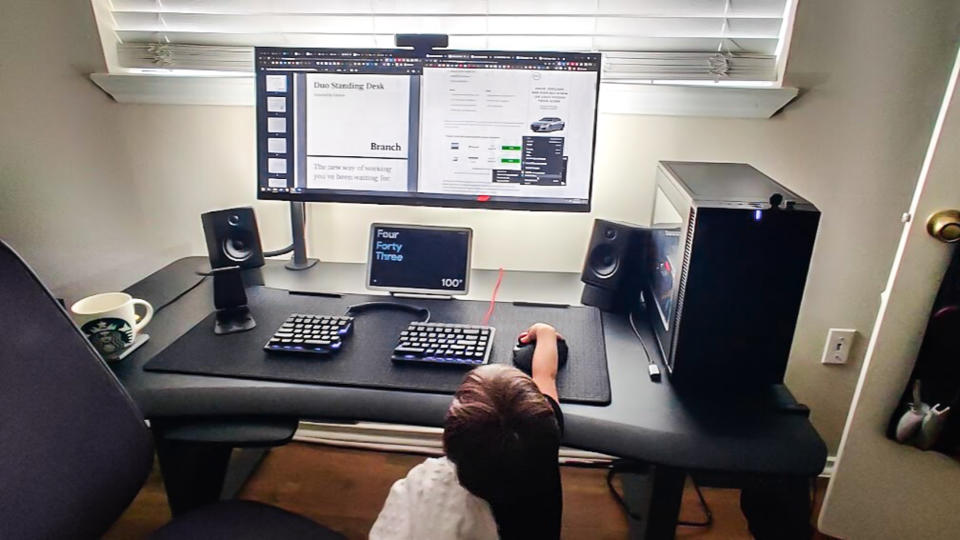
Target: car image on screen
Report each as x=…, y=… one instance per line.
x=547, y=124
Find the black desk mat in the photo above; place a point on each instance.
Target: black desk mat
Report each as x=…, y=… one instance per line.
x=365, y=358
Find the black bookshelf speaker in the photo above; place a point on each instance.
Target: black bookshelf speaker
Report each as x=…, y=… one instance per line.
x=613, y=265
x=233, y=238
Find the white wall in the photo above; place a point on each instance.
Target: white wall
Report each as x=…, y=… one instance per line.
x=872, y=72
x=68, y=201
x=882, y=489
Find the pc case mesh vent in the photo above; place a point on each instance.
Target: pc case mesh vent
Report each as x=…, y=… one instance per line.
x=682, y=287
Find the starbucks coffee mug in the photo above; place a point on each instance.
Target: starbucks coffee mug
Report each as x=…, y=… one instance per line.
x=110, y=322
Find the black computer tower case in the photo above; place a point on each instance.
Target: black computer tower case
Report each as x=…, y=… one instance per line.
x=728, y=260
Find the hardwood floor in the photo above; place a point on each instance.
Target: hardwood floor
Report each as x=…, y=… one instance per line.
x=344, y=489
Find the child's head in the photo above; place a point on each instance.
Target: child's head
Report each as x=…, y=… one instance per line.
x=499, y=430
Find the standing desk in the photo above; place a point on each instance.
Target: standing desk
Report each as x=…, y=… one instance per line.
x=679, y=434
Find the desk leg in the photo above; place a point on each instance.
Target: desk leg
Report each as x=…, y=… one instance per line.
x=192, y=473
x=243, y=463
x=665, y=503
x=778, y=508
x=654, y=493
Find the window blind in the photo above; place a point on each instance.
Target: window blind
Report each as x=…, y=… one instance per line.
x=642, y=40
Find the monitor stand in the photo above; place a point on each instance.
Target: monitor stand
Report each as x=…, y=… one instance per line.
x=298, y=246
x=299, y=261
x=427, y=296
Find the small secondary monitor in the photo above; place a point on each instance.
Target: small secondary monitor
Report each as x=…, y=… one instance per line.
x=419, y=259
x=475, y=129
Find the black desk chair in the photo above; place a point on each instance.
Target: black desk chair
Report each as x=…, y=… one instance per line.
x=74, y=450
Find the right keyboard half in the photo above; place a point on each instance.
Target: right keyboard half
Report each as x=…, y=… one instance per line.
x=447, y=344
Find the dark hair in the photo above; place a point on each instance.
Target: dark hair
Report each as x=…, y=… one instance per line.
x=499, y=431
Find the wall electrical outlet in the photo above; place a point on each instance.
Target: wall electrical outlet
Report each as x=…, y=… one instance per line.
x=839, y=342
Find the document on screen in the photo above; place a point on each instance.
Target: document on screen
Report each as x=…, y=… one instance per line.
x=357, y=129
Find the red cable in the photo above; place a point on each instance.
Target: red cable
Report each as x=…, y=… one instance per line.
x=493, y=298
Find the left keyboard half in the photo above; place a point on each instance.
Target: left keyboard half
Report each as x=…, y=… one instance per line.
x=311, y=334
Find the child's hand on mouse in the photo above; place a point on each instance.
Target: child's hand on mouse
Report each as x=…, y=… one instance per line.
x=537, y=330
x=545, y=357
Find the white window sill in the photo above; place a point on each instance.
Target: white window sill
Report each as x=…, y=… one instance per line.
x=648, y=99
x=677, y=100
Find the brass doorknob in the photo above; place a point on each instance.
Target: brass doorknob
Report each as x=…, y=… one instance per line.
x=945, y=226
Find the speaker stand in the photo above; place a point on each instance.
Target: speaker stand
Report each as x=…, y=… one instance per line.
x=603, y=299
x=233, y=320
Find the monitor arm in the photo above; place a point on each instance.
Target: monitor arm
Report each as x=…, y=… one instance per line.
x=298, y=219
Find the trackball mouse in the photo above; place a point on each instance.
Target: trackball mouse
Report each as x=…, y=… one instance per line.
x=523, y=354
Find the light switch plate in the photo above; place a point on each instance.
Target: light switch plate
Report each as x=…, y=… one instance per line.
x=837, y=348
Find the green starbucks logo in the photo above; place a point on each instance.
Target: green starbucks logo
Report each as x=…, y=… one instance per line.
x=109, y=336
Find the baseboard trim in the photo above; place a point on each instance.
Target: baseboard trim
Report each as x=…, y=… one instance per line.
x=405, y=438
x=829, y=468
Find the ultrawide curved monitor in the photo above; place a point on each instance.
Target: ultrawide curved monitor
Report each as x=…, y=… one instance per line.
x=474, y=129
